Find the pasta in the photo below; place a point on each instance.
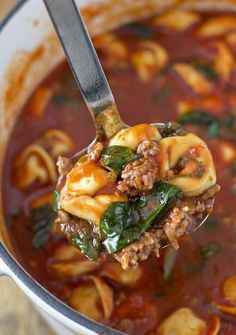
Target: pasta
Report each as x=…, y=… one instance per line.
x=131, y=137
x=193, y=78
x=88, y=208
x=177, y=20
x=85, y=299
x=217, y=25
x=183, y=322
x=151, y=58
x=197, y=172
x=37, y=166
x=224, y=62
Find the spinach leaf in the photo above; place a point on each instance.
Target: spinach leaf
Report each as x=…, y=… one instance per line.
x=215, y=127
x=59, y=99
x=170, y=129
x=42, y=218
x=91, y=247
x=211, y=222
x=198, y=116
x=206, y=69
x=162, y=94
x=209, y=250
x=206, y=252
x=138, y=29
x=228, y=128
x=160, y=294
x=85, y=240
x=123, y=223
x=116, y=156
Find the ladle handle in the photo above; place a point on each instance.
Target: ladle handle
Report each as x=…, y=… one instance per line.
x=85, y=66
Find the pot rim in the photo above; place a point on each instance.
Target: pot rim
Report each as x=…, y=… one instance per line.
x=19, y=274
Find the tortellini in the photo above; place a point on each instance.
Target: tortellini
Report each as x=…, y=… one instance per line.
x=87, y=178
x=56, y=142
x=88, y=208
x=193, y=78
x=131, y=137
x=229, y=290
x=151, y=58
x=177, y=20
x=217, y=25
x=185, y=161
x=115, y=272
x=34, y=164
x=182, y=322
x=82, y=182
x=224, y=61
x=114, y=48
x=39, y=101
x=85, y=299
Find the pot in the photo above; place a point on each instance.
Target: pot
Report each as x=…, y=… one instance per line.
x=30, y=51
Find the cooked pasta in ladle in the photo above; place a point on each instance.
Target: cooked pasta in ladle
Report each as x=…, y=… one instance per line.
x=135, y=189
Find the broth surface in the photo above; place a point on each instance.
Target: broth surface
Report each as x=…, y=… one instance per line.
x=194, y=276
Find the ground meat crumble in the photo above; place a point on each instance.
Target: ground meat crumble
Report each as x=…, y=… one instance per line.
x=148, y=148
x=173, y=225
x=138, y=177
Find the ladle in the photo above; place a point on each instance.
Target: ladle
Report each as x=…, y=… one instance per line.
x=88, y=73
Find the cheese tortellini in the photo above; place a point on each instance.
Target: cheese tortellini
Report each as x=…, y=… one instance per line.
x=193, y=78
x=183, y=322
x=177, y=20
x=87, y=298
x=82, y=182
x=131, y=137
x=185, y=161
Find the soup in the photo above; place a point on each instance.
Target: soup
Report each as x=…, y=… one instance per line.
x=179, y=66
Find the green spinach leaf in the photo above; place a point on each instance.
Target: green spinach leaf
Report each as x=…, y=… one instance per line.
x=206, y=69
x=59, y=99
x=198, y=116
x=170, y=129
x=85, y=240
x=209, y=250
x=162, y=94
x=138, y=29
x=91, y=247
x=42, y=218
x=123, y=223
x=211, y=222
x=216, y=128
x=114, y=157
x=160, y=294
x=206, y=252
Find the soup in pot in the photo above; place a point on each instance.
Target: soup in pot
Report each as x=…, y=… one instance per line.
x=179, y=66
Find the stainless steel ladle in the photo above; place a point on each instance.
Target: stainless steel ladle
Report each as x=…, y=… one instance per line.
x=88, y=72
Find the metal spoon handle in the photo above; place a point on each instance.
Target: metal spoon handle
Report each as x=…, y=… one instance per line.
x=85, y=66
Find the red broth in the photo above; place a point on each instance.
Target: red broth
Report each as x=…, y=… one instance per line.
x=195, y=279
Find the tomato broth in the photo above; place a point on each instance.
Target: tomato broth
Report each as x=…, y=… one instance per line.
x=193, y=277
